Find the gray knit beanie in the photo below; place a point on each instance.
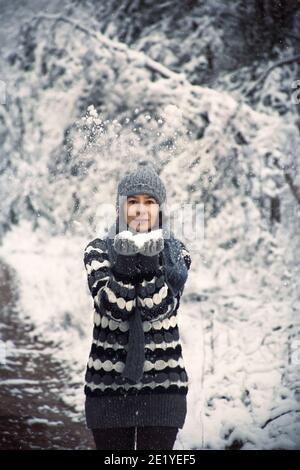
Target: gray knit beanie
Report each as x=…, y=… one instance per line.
x=144, y=180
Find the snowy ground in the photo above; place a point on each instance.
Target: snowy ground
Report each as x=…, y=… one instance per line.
x=243, y=388
x=33, y=414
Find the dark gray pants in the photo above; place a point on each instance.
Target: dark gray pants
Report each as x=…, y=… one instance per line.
x=145, y=438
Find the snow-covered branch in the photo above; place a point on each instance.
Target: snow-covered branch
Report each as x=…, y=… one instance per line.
x=262, y=78
x=149, y=63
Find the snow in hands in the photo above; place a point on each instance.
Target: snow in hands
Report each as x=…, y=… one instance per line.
x=148, y=243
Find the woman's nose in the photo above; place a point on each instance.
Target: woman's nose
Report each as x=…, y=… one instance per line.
x=141, y=208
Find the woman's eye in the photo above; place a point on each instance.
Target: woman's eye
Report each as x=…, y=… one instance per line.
x=147, y=202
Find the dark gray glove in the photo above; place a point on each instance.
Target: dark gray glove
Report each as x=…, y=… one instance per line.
x=132, y=260
x=152, y=246
x=124, y=245
x=125, y=257
x=148, y=258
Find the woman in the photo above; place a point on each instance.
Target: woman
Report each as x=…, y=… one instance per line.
x=136, y=383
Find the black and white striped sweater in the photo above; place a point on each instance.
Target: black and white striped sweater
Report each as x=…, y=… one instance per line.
x=160, y=396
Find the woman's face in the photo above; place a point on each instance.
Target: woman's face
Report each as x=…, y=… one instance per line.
x=141, y=212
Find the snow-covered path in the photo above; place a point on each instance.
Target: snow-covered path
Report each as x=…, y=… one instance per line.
x=32, y=413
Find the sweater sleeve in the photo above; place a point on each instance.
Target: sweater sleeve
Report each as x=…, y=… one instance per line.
x=111, y=296
x=159, y=296
x=176, y=269
x=185, y=254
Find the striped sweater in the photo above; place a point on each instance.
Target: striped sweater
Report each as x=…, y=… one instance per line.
x=160, y=396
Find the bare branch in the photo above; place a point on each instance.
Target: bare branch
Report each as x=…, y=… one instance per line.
x=294, y=189
x=278, y=416
x=263, y=77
